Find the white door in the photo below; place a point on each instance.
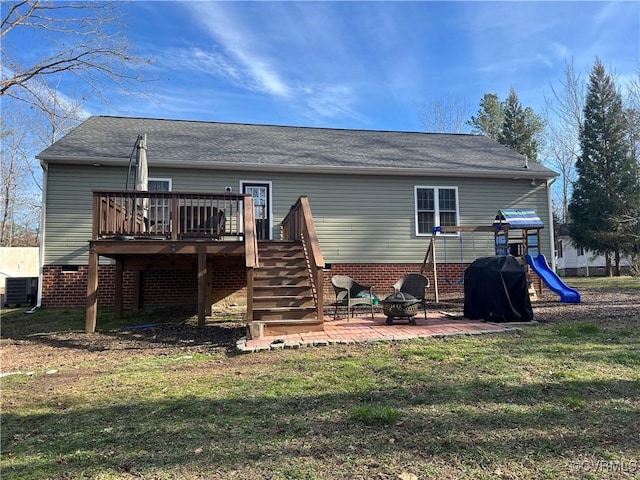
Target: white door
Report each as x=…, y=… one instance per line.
x=261, y=193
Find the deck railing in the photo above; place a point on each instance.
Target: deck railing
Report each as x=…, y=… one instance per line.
x=168, y=215
x=298, y=225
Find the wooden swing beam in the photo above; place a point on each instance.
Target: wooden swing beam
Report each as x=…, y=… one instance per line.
x=469, y=228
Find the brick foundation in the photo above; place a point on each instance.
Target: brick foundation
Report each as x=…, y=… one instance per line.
x=63, y=288
x=383, y=275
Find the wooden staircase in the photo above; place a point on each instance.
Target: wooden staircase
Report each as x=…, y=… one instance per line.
x=283, y=298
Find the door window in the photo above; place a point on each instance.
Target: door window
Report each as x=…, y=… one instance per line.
x=261, y=201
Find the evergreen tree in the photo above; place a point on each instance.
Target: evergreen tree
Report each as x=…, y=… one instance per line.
x=509, y=124
x=490, y=117
x=521, y=128
x=607, y=190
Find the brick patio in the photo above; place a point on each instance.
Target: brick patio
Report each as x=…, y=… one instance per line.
x=363, y=329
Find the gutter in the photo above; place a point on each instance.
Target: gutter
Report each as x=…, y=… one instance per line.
x=515, y=174
x=551, y=229
x=43, y=211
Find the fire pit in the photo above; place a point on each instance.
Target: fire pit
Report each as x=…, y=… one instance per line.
x=400, y=305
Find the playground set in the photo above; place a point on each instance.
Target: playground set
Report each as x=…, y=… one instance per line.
x=516, y=232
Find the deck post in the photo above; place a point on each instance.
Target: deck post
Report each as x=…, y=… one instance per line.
x=117, y=300
x=92, y=291
x=202, y=288
x=250, y=284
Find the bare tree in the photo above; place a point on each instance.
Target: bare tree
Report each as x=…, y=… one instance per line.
x=564, y=115
x=83, y=43
x=84, y=48
x=632, y=111
x=19, y=205
x=632, y=221
x=447, y=114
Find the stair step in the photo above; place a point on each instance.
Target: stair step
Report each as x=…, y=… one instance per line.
x=280, y=313
x=282, y=297
x=266, y=285
x=281, y=291
x=281, y=247
x=280, y=260
x=289, y=270
x=271, y=302
x=286, y=309
x=285, y=252
x=281, y=280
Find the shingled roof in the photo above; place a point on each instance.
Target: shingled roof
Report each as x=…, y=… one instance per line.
x=191, y=144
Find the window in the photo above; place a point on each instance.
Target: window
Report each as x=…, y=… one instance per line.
x=560, y=249
x=435, y=206
x=159, y=207
x=580, y=251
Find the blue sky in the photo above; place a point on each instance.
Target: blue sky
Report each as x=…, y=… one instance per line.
x=365, y=65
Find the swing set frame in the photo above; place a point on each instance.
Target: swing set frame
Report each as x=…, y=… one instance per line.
x=430, y=256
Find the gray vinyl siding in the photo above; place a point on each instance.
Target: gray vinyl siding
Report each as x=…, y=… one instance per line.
x=69, y=211
x=359, y=218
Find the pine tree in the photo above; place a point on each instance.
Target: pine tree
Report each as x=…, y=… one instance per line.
x=490, y=117
x=509, y=123
x=607, y=190
x=521, y=127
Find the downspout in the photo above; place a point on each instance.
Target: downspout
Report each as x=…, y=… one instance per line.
x=43, y=210
x=551, y=229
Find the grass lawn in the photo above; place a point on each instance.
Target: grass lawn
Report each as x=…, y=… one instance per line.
x=555, y=401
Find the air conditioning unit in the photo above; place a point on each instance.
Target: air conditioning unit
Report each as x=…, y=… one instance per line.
x=20, y=291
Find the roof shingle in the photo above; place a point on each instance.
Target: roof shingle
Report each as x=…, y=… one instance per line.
x=192, y=144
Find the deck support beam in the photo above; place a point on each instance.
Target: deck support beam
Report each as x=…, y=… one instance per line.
x=92, y=292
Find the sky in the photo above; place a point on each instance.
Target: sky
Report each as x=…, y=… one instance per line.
x=362, y=65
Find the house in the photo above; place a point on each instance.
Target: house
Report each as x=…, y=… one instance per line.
x=572, y=261
x=365, y=202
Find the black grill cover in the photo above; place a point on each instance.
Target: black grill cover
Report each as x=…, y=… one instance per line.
x=495, y=289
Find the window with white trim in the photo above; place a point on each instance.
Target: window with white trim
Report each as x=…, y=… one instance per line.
x=435, y=207
x=159, y=213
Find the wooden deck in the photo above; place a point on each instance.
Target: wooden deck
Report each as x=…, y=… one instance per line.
x=195, y=231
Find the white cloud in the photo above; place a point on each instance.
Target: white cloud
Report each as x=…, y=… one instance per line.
x=242, y=56
x=560, y=51
x=290, y=53
x=329, y=101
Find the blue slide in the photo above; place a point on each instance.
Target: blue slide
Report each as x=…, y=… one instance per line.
x=541, y=267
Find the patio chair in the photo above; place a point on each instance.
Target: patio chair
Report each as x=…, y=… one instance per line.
x=414, y=284
x=200, y=221
x=349, y=294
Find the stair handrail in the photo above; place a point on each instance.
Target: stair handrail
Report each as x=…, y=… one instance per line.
x=298, y=225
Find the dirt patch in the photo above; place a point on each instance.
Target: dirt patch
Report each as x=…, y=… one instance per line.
x=59, y=349
x=55, y=350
